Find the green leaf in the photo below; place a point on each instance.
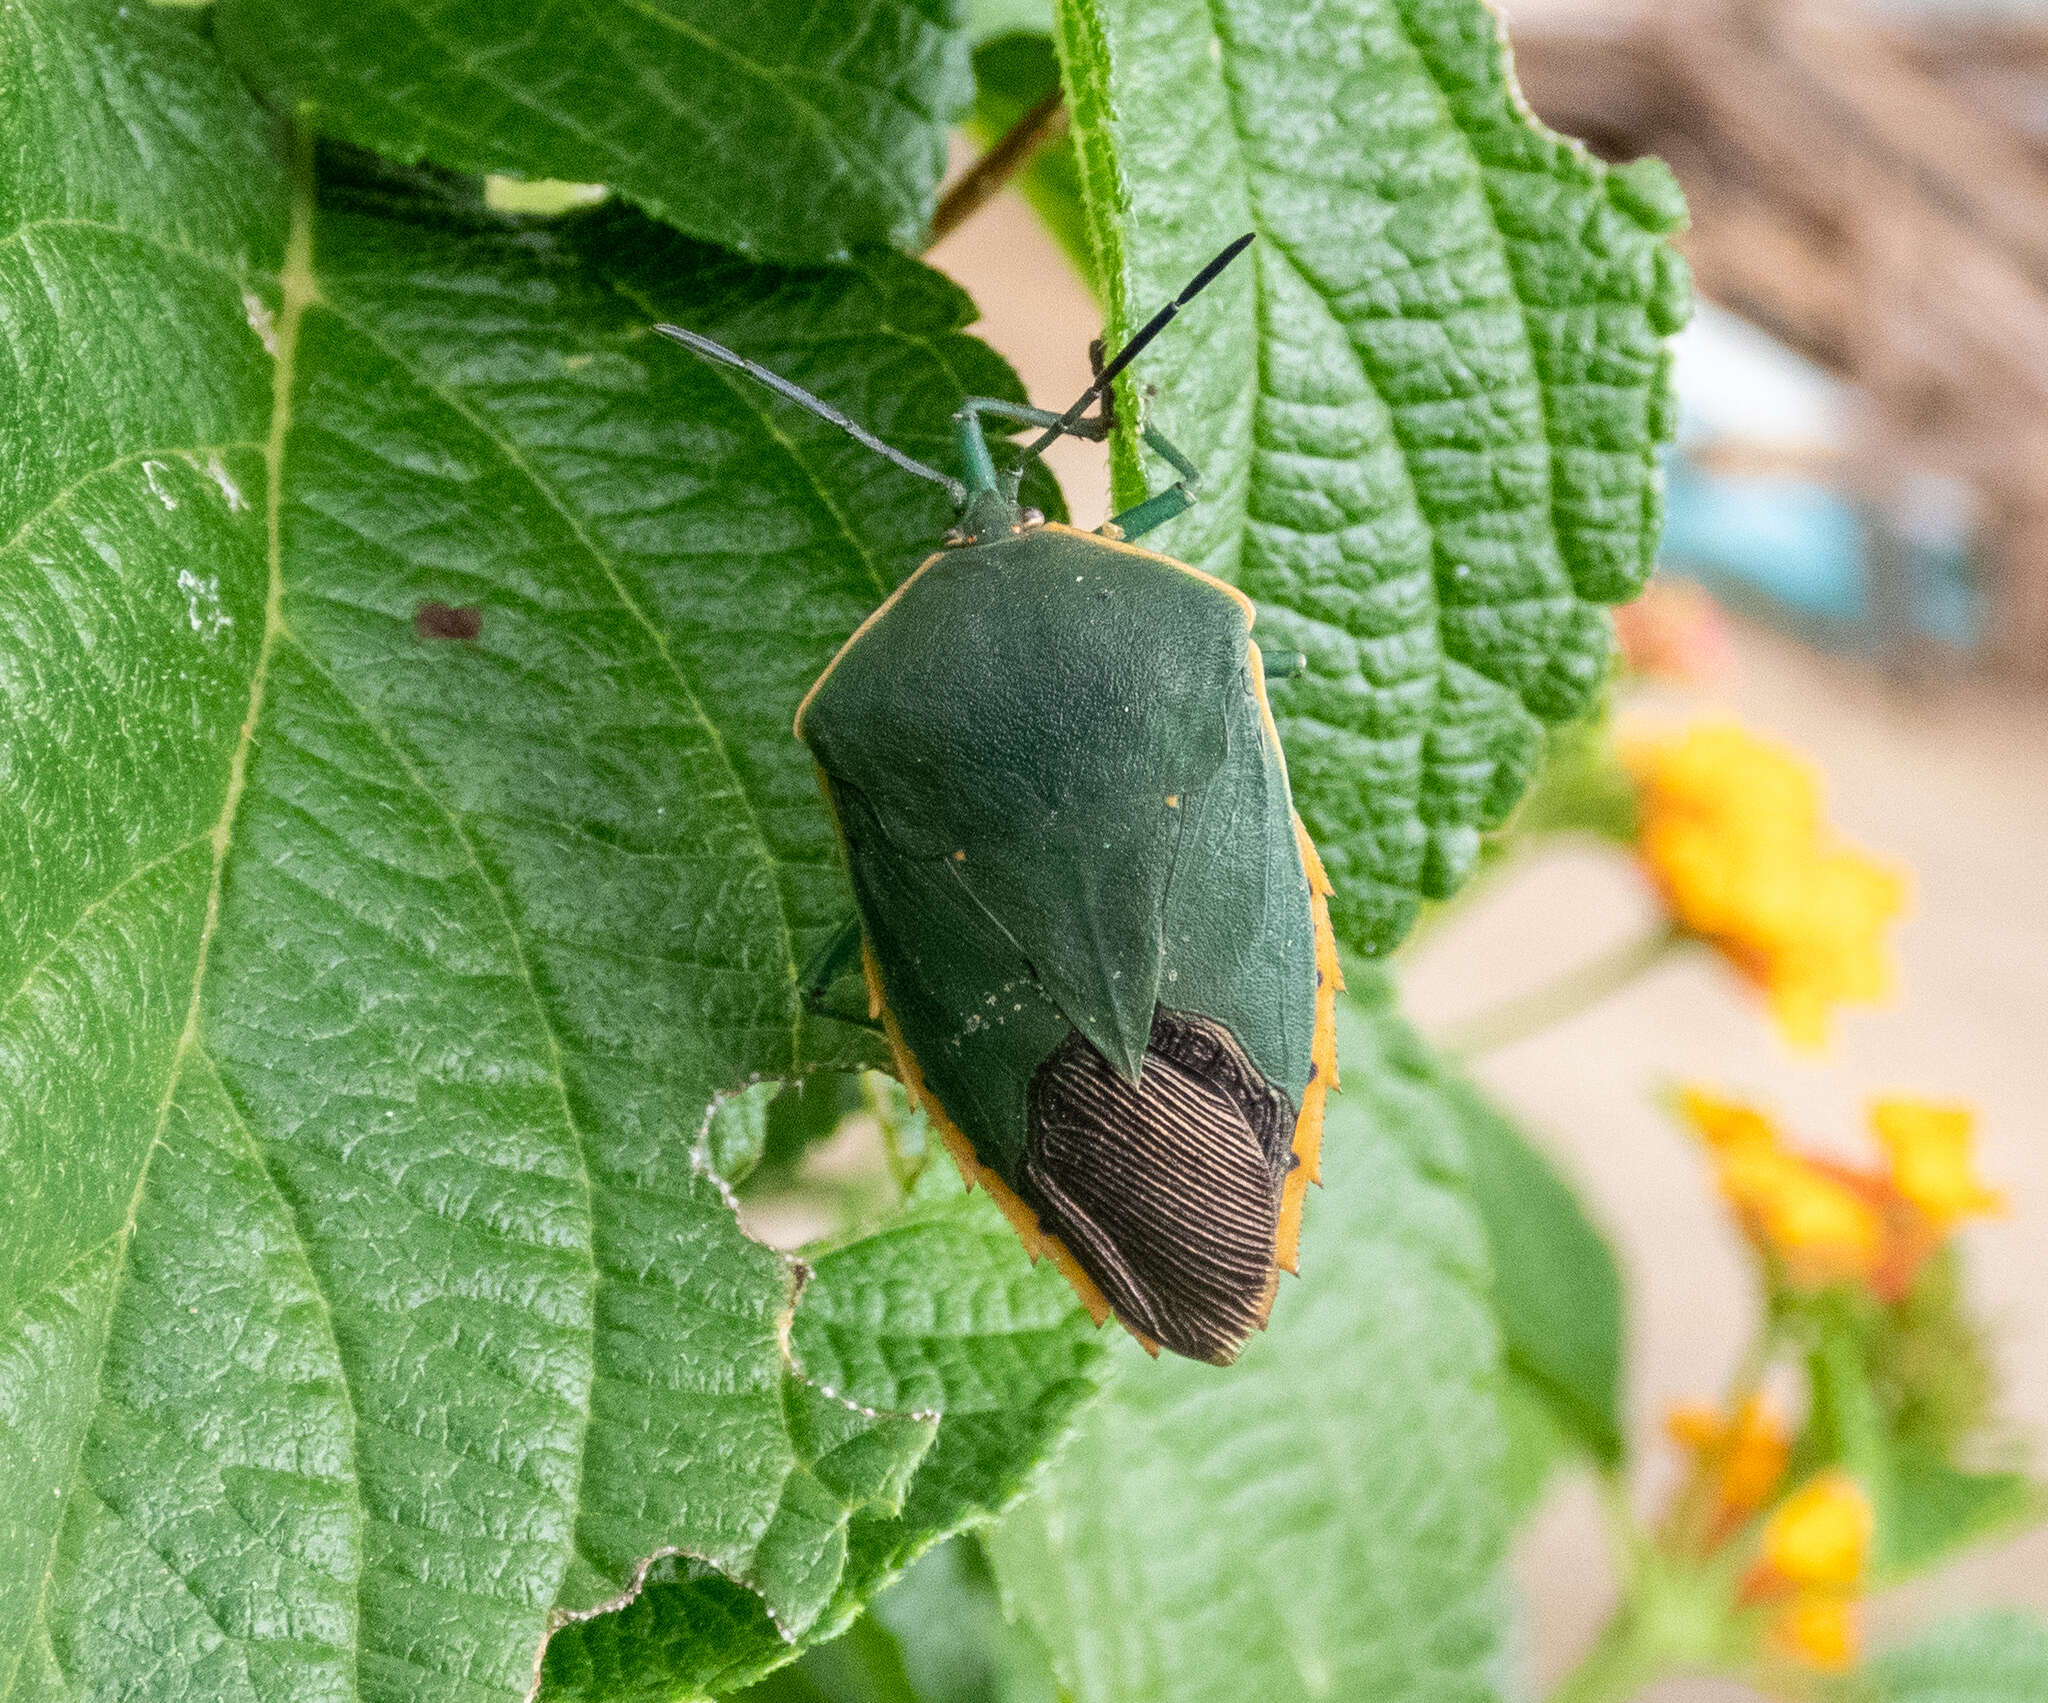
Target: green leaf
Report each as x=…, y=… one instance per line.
x=1996, y=1656
x=1932, y=1510
x=957, y=1644
x=1427, y=406
x=939, y=1313
x=1538, y=1444
x=988, y=19
x=364, y=1308
x=937, y=1636
x=1556, y=1288
x=780, y=128
x=737, y=1134
x=1326, y=1518
x=862, y=1666
x=1012, y=74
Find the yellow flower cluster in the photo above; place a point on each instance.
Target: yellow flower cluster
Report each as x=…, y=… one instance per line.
x=1824, y=1223
x=1811, y=1563
x=1732, y=832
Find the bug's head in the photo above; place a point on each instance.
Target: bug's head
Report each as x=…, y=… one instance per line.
x=988, y=514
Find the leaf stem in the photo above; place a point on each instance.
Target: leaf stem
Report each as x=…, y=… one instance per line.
x=1566, y=996
x=1045, y=122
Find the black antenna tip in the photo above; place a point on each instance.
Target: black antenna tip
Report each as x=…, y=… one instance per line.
x=1207, y=276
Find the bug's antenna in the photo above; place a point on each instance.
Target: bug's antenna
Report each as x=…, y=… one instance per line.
x=816, y=404
x=1131, y=350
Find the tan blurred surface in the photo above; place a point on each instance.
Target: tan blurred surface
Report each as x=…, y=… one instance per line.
x=1950, y=780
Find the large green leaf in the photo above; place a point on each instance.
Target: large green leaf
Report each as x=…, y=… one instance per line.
x=779, y=128
x=1428, y=405
x=1326, y=1518
x=1997, y=1656
x=364, y=1307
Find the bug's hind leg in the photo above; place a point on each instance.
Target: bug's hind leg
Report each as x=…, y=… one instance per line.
x=1161, y=506
x=833, y=960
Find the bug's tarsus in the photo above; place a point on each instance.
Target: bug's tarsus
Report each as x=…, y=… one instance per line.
x=1097, y=349
x=718, y=352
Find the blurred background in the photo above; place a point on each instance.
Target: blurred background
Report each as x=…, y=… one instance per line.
x=1861, y=483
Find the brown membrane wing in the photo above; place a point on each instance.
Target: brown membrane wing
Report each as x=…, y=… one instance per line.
x=1167, y=1192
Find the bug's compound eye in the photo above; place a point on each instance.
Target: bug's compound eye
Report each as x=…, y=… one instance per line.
x=1031, y=517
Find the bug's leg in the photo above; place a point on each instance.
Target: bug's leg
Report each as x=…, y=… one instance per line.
x=1094, y=429
x=1161, y=506
x=974, y=443
x=1095, y=354
x=833, y=960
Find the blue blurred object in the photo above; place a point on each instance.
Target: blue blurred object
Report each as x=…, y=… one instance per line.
x=1796, y=542
x=1796, y=548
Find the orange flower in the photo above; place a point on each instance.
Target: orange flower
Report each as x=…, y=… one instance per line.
x=1929, y=1149
x=1747, y=1457
x=1732, y=833
x=1811, y=1562
x=1725, y=1125
x=1826, y=1223
x=1820, y=1227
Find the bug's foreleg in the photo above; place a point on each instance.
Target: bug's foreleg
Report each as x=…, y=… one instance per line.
x=1161, y=506
x=1094, y=429
x=837, y=956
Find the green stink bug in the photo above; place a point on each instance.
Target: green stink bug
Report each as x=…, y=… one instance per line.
x=1093, y=929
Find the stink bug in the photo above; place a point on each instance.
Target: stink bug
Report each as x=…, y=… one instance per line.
x=1092, y=927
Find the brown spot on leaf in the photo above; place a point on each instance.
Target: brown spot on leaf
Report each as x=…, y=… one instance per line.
x=441, y=621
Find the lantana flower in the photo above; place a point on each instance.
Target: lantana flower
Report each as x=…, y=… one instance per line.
x=1928, y=1146
x=1812, y=1560
x=1819, y=1227
x=1823, y=1223
x=1731, y=830
x=1746, y=1456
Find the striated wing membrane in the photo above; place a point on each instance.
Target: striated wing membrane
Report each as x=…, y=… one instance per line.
x=1168, y=1191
